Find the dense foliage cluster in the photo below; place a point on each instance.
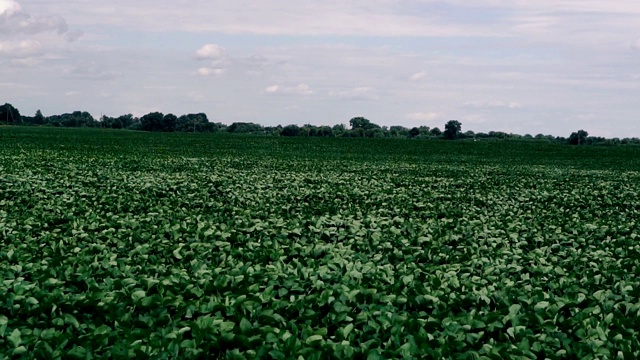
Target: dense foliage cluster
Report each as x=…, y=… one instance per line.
x=135, y=245
x=360, y=127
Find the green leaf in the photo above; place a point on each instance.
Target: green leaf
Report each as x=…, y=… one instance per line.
x=19, y=350
x=277, y=354
x=600, y=295
x=137, y=295
x=608, y=318
x=346, y=330
x=48, y=334
x=407, y=279
x=15, y=338
x=313, y=339
x=514, y=309
x=3, y=324
x=32, y=301
x=188, y=344
x=103, y=329
x=77, y=352
x=227, y=326
x=70, y=319
x=541, y=305
x=245, y=325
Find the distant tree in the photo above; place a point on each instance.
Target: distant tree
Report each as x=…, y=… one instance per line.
x=469, y=135
x=359, y=123
x=74, y=119
x=245, y=128
x=308, y=130
x=578, y=138
x=152, y=121
x=436, y=132
x=195, y=123
x=169, y=122
x=424, y=130
x=39, y=119
x=290, y=130
x=108, y=122
x=325, y=131
x=414, y=132
x=374, y=133
x=498, y=134
x=273, y=130
x=398, y=131
x=356, y=132
x=9, y=115
x=452, y=130
x=126, y=121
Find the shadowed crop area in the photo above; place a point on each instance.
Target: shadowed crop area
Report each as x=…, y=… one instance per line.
x=120, y=244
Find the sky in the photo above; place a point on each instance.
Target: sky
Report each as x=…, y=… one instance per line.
x=519, y=66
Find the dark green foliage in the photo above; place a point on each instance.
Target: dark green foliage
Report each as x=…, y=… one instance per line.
x=290, y=130
x=9, y=115
x=153, y=122
x=245, y=128
x=452, y=130
x=360, y=128
x=578, y=138
x=74, y=119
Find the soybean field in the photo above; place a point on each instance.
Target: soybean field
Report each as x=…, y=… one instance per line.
x=121, y=244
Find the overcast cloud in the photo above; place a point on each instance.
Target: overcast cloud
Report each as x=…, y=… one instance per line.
x=549, y=66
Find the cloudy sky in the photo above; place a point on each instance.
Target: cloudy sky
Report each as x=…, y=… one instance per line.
x=544, y=66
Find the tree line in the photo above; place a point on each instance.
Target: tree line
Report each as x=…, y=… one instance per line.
x=359, y=127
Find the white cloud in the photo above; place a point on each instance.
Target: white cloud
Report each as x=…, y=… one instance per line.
x=9, y=7
x=15, y=21
x=93, y=71
x=421, y=75
x=474, y=119
x=210, y=51
x=206, y=71
x=331, y=17
x=636, y=44
x=358, y=93
x=272, y=89
x=492, y=104
x=301, y=89
x=424, y=116
x=19, y=49
x=74, y=35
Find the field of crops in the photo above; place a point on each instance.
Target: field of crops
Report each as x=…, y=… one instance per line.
x=120, y=244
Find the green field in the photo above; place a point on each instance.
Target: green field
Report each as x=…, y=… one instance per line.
x=118, y=244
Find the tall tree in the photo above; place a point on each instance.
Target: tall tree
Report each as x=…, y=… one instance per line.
x=152, y=121
x=578, y=138
x=10, y=115
x=169, y=123
x=452, y=130
x=39, y=118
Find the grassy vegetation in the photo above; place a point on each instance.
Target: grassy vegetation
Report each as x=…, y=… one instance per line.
x=120, y=244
